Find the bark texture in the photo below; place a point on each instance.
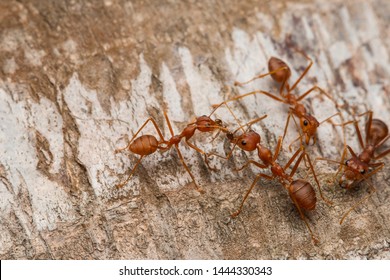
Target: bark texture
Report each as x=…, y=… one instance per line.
x=77, y=76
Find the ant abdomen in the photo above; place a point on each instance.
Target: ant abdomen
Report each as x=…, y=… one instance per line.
x=378, y=131
x=280, y=75
x=303, y=194
x=144, y=145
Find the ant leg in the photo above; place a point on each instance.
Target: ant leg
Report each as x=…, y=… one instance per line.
x=295, y=167
x=260, y=76
x=315, y=240
x=248, y=94
x=382, y=142
x=373, y=190
x=369, y=122
x=139, y=130
x=375, y=164
x=381, y=155
x=355, y=123
x=278, y=148
x=343, y=156
x=304, y=72
x=287, y=123
x=359, y=135
x=340, y=163
x=317, y=182
x=198, y=188
x=215, y=107
x=295, y=140
x=300, y=135
x=328, y=118
x=351, y=151
x=250, y=123
x=258, y=176
x=380, y=166
x=291, y=161
x=322, y=91
x=196, y=148
x=131, y=174
x=259, y=165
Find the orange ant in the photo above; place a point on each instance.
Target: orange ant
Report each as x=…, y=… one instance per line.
x=301, y=191
x=356, y=169
x=148, y=144
x=280, y=72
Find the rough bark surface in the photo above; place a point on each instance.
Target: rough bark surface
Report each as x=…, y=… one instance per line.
x=76, y=76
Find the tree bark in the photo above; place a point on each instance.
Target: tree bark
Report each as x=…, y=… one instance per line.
x=78, y=79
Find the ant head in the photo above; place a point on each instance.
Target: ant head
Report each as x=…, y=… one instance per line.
x=282, y=71
x=355, y=170
x=247, y=141
x=309, y=125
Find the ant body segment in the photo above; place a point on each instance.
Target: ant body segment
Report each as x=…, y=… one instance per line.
x=356, y=168
x=148, y=144
x=281, y=73
x=300, y=191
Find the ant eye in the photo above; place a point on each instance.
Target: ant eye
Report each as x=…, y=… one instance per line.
x=305, y=122
x=243, y=142
x=362, y=171
x=346, y=162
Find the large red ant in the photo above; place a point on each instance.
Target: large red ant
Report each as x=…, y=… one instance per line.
x=148, y=144
x=280, y=72
x=356, y=168
x=301, y=191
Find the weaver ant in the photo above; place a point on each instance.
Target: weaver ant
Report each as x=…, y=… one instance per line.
x=356, y=168
x=301, y=191
x=280, y=72
x=148, y=144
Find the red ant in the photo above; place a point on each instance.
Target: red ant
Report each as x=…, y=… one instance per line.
x=301, y=191
x=148, y=144
x=280, y=72
x=356, y=169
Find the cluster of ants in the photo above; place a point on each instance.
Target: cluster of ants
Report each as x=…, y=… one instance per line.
x=357, y=168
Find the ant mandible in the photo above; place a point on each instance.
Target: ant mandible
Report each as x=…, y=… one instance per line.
x=281, y=73
x=148, y=144
x=356, y=168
